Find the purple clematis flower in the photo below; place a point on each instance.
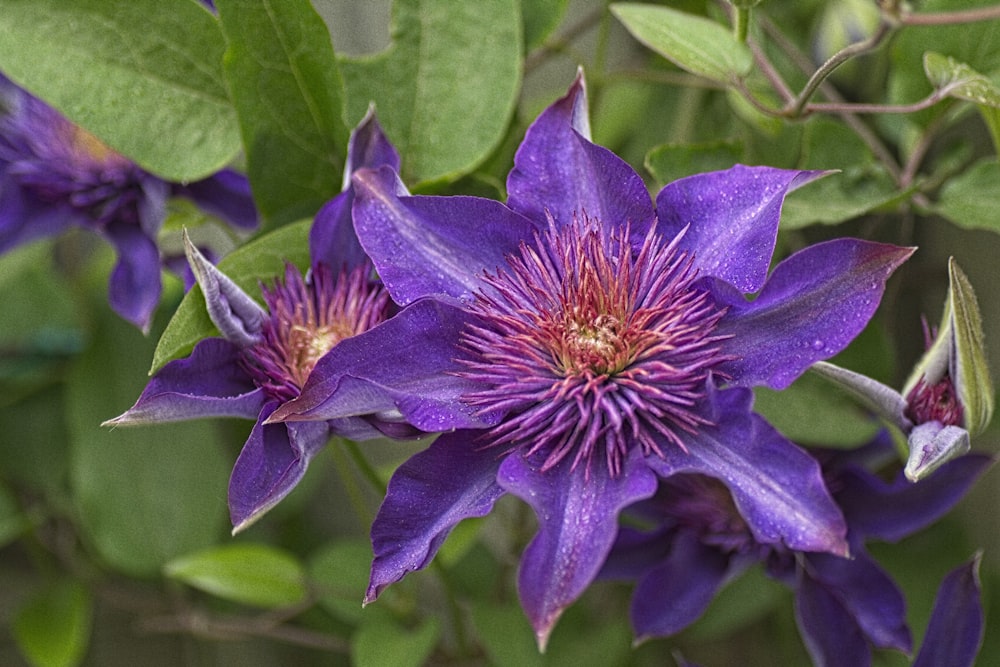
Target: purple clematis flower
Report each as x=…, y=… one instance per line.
x=265, y=355
x=590, y=332
x=55, y=175
x=696, y=541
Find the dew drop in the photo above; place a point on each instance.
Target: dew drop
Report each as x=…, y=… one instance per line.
x=817, y=344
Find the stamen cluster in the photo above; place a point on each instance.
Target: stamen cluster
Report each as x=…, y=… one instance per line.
x=591, y=346
x=308, y=316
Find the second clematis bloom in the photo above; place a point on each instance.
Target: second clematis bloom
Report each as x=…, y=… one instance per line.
x=55, y=175
x=265, y=355
x=605, y=342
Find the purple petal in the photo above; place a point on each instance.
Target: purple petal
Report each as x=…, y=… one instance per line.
x=405, y=364
x=432, y=245
x=577, y=512
x=812, y=306
x=226, y=195
x=24, y=219
x=733, y=217
x=209, y=383
x=428, y=495
x=674, y=594
x=955, y=631
x=273, y=461
x=777, y=487
x=237, y=316
x=828, y=629
x=332, y=238
x=868, y=594
x=134, y=285
x=892, y=511
x=558, y=172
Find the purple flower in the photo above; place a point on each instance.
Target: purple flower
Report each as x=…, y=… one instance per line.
x=55, y=175
x=590, y=333
x=696, y=541
x=265, y=355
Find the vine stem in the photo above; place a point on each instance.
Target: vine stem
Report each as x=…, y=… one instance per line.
x=951, y=18
x=741, y=23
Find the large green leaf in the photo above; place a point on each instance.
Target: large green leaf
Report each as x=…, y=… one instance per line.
x=145, y=76
x=962, y=82
x=383, y=641
x=53, y=628
x=254, y=574
x=287, y=90
x=258, y=260
x=693, y=43
x=972, y=198
x=446, y=87
x=145, y=494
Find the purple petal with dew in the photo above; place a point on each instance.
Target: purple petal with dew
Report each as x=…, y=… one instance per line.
x=405, y=364
x=814, y=304
x=777, y=487
x=226, y=195
x=428, y=495
x=24, y=219
x=273, y=461
x=134, y=285
x=955, y=631
x=892, y=511
x=677, y=591
x=428, y=246
x=868, y=594
x=829, y=631
x=558, y=172
x=933, y=444
x=577, y=512
x=332, y=238
x=237, y=316
x=733, y=218
x=208, y=383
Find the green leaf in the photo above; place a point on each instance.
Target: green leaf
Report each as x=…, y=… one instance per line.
x=668, y=163
x=53, y=628
x=540, y=18
x=146, y=494
x=964, y=83
x=840, y=197
x=382, y=641
x=339, y=573
x=971, y=368
x=145, y=76
x=972, y=198
x=288, y=94
x=506, y=634
x=254, y=574
x=258, y=260
x=693, y=43
x=446, y=88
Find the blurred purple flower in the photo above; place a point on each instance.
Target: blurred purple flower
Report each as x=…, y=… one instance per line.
x=589, y=332
x=695, y=541
x=55, y=175
x=266, y=354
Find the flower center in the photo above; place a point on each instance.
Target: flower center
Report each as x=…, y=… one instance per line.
x=592, y=347
x=936, y=402
x=308, y=317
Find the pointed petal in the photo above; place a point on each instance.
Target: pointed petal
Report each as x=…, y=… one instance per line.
x=273, y=461
x=733, y=217
x=453, y=479
x=559, y=172
x=777, y=487
x=134, y=285
x=883, y=400
x=209, y=383
x=237, y=316
x=332, y=238
x=892, y=511
x=830, y=633
x=226, y=195
x=577, y=514
x=931, y=446
x=868, y=594
x=405, y=364
x=427, y=246
x=814, y=304
x=955, y=631
x=676, y=593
